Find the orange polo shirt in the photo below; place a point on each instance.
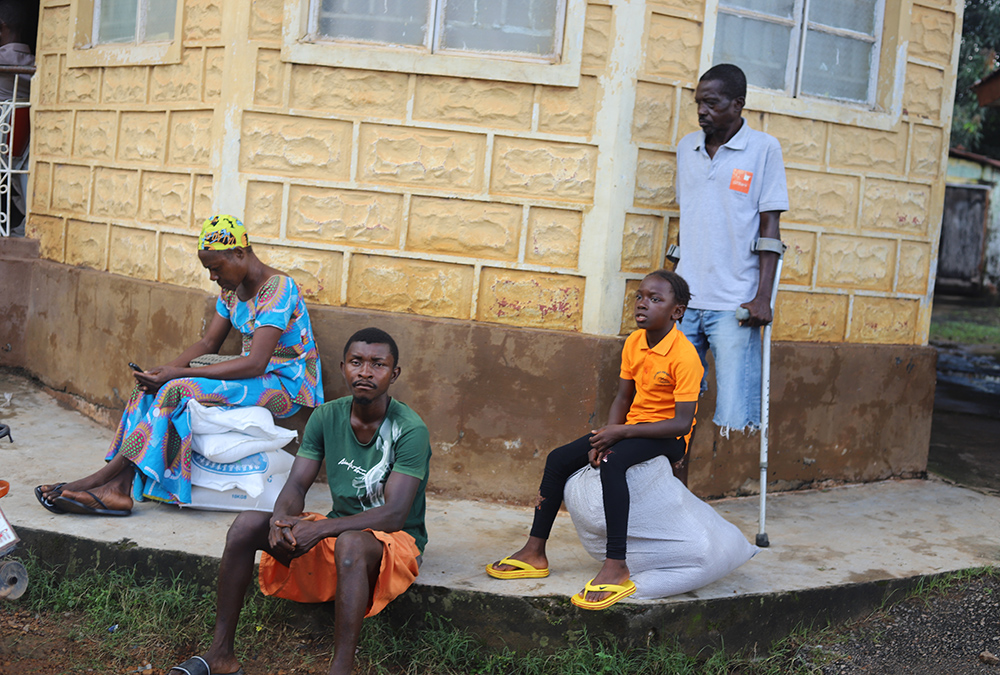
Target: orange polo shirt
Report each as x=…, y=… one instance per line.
x=669, y=372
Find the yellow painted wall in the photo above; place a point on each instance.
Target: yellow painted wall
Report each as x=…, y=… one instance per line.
x=476, y=199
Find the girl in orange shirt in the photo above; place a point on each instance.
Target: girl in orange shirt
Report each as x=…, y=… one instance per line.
x=652, y=415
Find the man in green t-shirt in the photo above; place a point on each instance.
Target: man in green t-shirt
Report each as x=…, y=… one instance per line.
x=365, y=552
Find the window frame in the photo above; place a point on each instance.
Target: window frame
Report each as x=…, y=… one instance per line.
x=299, y=45
x=87, y=52
x=800, y=27
x=431, y=45
x=886, y=106
x=142, y=12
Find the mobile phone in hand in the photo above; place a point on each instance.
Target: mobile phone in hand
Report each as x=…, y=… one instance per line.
x=135, y=367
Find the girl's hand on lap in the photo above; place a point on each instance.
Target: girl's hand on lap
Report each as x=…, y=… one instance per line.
x=594, y=456
x=604, y=439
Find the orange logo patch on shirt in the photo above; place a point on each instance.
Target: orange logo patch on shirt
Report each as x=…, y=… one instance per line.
x=741, y=181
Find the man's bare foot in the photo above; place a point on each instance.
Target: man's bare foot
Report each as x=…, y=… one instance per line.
x=613, y=572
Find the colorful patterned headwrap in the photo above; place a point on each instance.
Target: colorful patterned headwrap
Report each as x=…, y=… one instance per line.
x=221, y=233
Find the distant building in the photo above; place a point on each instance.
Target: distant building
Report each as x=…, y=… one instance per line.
x=969, y=255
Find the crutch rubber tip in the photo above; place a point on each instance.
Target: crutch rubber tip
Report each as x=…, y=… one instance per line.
x=762, y=541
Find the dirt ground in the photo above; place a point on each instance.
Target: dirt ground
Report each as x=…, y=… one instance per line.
x=58, y=644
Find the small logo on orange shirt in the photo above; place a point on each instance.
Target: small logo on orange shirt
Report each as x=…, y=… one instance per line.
x=741, y=181
x=662, y=377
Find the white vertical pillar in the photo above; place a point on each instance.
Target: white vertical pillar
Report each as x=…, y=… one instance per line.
x=604, y=224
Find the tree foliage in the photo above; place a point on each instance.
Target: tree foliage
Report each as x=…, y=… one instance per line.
x=977, y=129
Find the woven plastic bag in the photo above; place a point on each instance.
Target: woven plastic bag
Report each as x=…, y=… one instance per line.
x=676, y=542
x=249, y=474
x=227, y=434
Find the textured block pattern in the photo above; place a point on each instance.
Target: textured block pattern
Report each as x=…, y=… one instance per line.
x=529, y=299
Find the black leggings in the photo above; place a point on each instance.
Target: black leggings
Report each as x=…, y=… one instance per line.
x=565, y=460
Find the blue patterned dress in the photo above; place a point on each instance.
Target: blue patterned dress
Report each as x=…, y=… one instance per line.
x=155, y=433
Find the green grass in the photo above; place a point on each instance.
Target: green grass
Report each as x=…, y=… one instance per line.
x=443, y=650
x=965, y=332
x=161, y=618
x=929, y=587
x=964, y=325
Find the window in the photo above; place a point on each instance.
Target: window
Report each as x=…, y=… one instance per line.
x=536, y=41
x=125, y=32
x=529, y=29
x=822, y=48
x=134, y=21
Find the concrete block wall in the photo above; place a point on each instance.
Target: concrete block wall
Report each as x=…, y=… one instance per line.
x=505, y=202
x=437, y=196
x=124, y=157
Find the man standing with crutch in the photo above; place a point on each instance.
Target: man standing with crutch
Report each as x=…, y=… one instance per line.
x=731, y=190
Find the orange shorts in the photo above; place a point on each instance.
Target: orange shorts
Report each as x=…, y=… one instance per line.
x=313, y=576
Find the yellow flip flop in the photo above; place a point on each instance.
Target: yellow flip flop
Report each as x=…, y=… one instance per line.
x=618, y=592
x=523, y=571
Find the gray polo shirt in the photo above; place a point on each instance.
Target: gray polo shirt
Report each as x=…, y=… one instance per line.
x=721, y=199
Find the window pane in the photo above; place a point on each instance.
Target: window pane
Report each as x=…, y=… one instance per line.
x=160, y=17
x=856, y=15
x=782, y=8
x=398, y=22
x=836, y=67
x=518, y=26
x=760, y=48
x=117, y=21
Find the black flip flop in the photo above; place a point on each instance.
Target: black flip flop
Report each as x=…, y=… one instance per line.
x=72, y=506
x=47, y=503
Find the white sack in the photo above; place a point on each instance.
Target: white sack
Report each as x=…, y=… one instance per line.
x=237, y=500
x=227, y=434
x=676, y=542
x=249, y=474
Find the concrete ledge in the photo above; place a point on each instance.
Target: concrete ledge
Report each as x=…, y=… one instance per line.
x=526, y=623
x=734, y=623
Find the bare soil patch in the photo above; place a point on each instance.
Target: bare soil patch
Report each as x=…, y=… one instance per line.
x=48, y=643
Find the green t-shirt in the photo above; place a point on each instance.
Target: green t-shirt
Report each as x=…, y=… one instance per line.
x=357, y=473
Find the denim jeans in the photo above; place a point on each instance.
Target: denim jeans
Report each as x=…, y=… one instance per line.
x=736, y=350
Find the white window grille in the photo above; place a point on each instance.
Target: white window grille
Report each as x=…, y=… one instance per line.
x=14, y=129
x=133, y=21
x=822, y=48
x=520, y=29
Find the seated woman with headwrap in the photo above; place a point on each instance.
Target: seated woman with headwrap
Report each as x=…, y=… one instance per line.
x=278, y=369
